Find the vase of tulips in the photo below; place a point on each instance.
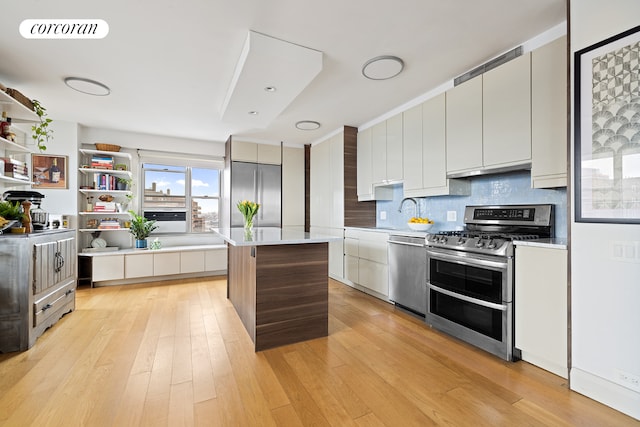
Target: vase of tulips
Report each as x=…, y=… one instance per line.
x=248, y=210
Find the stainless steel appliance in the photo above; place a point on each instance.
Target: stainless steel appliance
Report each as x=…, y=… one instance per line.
x=39, y=217
x=259, y=183
x=408, y=273
x=470, y=273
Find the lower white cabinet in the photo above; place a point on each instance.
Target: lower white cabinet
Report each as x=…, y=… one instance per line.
x=108, y=268
x=541, y=307
x=336, y=250
x=166, y=263
x=366, y=260
x=138, y=265
x=191, y=262
x=215, y=259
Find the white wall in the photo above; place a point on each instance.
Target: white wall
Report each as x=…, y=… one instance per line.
x=605, y=306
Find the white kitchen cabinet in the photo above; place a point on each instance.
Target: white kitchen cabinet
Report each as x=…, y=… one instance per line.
x=364, y=162
x=425, y=172
x=321, y=185
x=293, y=180
x=336, y=155
x=327, y=183
x=191, y=261
x=386, y=155
x=394, y=149
x=243, y=151
x=336, y=249
x=541, y=307
x=549, y=115
x=215, y=259
x=506, y=111
x=107, y=268
x=379, y=153
x=166, y=263
x=412, y=154
x=464, y=126
x=366, y=260
x=137, y=265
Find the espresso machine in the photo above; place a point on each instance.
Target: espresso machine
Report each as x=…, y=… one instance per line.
x=39, y=218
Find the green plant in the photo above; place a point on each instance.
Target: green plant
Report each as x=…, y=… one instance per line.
x=141, y=227
x=41, y=131
x=11, y=211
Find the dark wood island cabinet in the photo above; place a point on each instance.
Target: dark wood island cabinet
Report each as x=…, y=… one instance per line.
x=277, y=280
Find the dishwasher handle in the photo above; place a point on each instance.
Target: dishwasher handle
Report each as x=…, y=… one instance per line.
x=395, y=242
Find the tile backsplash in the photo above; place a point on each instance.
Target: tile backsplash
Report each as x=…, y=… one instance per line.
x=503, y=189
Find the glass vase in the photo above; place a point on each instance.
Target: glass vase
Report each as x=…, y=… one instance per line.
x=248, y=223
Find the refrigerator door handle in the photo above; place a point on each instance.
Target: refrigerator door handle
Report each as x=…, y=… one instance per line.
x=260, y=193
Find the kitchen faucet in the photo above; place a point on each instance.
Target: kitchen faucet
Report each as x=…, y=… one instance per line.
x=414, y=201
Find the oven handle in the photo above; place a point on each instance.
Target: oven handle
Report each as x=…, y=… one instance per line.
x=448, y=257
x=394, y=242
x=476, y=301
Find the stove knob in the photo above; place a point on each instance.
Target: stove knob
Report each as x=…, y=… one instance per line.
x=491, y=244
x=443, y=239
x=479, y=243
x=461, y=241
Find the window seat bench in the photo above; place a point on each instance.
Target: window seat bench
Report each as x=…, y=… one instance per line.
x=128, y=266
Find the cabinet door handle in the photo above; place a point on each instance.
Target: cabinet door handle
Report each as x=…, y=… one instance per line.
x=59, y=262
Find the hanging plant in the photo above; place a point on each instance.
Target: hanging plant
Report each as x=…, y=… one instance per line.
x=41, y=131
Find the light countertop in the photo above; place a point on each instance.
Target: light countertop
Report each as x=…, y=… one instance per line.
x=555, y=243
x=392, y=231
x=271, y=236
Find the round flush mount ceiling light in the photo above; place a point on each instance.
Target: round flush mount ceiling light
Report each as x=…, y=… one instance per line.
x=270, y=89
x=253, y=113
x=307, y=125
x=88, y=86
x=382, y=67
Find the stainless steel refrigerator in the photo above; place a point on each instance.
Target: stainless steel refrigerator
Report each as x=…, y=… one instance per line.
x=257, y=183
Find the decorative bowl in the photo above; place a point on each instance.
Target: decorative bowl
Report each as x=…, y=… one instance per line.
x=416, y=226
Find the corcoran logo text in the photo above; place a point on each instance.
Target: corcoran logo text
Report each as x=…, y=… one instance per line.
x=64, y=29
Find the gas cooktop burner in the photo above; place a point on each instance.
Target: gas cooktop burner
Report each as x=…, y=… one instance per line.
x=492, y=229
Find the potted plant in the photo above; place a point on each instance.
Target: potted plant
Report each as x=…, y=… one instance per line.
x=41, y=131
x=123, y=183
x=12, y=212
x=141, y=228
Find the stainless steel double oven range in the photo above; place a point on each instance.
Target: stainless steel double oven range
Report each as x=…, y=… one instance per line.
x=470, y=274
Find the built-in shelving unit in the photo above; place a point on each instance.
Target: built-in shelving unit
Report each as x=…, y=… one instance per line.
x=90, y=192
x=19, y=114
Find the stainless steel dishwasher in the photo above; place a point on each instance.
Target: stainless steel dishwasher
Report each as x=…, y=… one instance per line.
x=408, y=272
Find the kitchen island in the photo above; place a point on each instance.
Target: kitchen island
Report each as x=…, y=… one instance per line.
x=277, y=280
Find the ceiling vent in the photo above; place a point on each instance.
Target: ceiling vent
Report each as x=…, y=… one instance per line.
x=495, y=62
x=269, y=75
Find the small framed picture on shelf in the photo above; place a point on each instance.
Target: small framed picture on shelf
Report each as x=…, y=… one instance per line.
x=121, y=167
x=49, y=171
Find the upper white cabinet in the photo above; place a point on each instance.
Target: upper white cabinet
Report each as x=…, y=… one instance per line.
x=386, y=156
x=489, y=119
x=506, y=114
x=424, y=152
x=549, y=115
x=365, y=183
x=292, y=186
x=243, y=151
x=464, y=126
x=379, y=159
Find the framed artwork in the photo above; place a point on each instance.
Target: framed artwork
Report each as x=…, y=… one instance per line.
x=49, y=171
x=607, y=130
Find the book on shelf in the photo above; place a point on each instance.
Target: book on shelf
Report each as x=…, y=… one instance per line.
x=109, y=224
x=104, y=207
x=104, y=181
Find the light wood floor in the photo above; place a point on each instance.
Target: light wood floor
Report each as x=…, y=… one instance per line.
x=175, y=353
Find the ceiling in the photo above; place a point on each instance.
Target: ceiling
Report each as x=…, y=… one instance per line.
x=169, y=64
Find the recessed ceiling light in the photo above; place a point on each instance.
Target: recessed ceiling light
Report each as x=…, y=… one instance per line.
x=88, y=86
x=382, y=67
x=253, y=113
x=307, y=125
x=270, y=89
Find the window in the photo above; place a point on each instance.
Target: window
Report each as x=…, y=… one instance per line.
x=181, y=198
